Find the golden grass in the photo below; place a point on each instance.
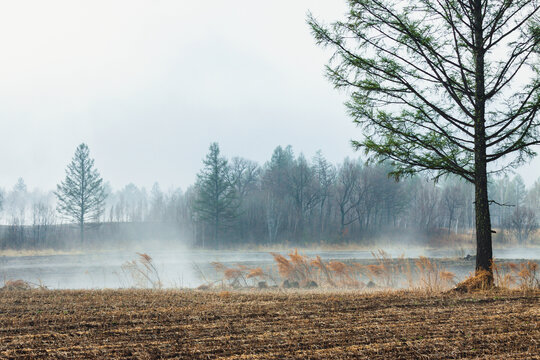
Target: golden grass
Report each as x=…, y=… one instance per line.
x=481, y=280
x=285, y=268
x=142, y=272
x=21, y=285
x=17, y=285
x=384, y=273
x=432, y=277
x=523, y=275
x=256, y=273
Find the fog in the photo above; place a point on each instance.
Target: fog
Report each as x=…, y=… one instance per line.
x=185, y=268
x=149, y=86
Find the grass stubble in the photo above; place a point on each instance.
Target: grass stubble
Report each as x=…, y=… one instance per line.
x=269, y=324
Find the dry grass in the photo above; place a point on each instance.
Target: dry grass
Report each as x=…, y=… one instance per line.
x=384, y=273
x=21, y=285
x=142, y=272
x=432, y=277
x=150, y=324
x=297, y=268
x=523, y=275
x=481, y=280
x=16, y=285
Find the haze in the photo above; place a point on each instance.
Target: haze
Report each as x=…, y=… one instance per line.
x=149, y=84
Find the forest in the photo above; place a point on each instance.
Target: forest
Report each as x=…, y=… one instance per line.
x=290, y=200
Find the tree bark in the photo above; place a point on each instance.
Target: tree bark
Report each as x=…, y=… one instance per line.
x=484, y=252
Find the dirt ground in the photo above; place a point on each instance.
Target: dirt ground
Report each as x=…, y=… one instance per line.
x=268, y=325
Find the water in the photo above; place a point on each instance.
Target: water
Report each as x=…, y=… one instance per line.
x=183, y=268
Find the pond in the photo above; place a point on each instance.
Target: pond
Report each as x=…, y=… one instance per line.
x=190, y=268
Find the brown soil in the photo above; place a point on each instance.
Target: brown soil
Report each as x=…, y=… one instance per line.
x=268, y=325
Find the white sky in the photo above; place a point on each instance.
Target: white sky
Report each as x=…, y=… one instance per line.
x=149, y=84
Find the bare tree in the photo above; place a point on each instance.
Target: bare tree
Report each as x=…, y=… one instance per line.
x=523, y=223
x=303, y=191
x=426, y=199
x=348, y=192
x=452, y=201
x=325, y=174
x=244, y=175
x=43, y=217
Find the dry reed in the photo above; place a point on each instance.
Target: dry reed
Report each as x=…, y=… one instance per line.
x=386, y=273
x=143, y=272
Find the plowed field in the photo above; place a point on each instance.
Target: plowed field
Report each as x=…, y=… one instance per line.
x=268, y=325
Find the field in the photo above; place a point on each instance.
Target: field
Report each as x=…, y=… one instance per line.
x=270, y=324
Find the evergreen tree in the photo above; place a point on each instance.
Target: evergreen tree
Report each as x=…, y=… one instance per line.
x=276, y=184
x=20, y=186
x=81, y=196
x=439, y=86
x=216, y=200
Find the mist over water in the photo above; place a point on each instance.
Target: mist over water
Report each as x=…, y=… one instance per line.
x=146, y=96
x=182, y=267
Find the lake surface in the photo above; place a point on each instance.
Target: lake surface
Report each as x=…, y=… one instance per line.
x=191, y=268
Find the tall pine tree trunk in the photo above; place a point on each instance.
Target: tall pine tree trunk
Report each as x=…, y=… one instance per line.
x=484, y=252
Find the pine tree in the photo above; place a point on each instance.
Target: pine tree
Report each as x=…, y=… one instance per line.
x=81, y=196
x=440, y=86
x=216, y=200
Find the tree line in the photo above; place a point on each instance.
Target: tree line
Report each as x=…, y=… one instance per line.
x=237, y=202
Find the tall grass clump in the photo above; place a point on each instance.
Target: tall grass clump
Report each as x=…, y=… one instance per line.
x=527, y=275
x=298, y=270
x=384, y=273
x=502, y=274
x=232, y=276
x=240, y=276
x=323, y=270
x=510, y=275
x=143, y=272
x=386, y=270
x=432, y=277
x=344, y=275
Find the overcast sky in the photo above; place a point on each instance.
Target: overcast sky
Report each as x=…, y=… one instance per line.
x=148, y=85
